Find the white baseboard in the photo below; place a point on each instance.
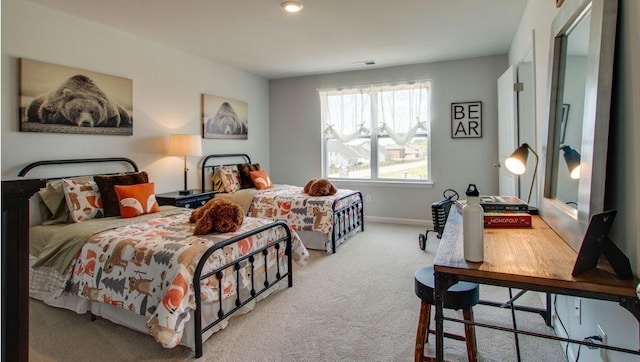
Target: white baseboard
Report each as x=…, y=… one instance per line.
x=426, y=223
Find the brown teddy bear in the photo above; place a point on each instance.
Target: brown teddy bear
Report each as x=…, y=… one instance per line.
x=219, y=215
x=308, y=185
x=319, y=187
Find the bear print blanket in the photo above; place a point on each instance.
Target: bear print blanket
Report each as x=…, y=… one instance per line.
x=299, y=210
x=148, y=268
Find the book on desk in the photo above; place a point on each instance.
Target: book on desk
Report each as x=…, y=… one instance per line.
x=502, y=211
x=506, y=219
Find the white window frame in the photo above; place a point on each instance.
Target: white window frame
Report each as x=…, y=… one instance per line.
x=371, y=131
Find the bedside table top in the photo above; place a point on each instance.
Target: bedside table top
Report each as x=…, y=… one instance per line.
x=175, y=195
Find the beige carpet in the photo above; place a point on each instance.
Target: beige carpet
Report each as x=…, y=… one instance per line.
x=356, y=305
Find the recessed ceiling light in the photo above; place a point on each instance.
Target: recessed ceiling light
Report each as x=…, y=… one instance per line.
x=291, y=6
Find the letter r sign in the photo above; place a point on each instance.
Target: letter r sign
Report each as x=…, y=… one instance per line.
x=466, y=120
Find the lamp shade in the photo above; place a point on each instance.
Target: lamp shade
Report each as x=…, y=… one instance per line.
x=517, y=162
x=185, y=145
x=572, y=158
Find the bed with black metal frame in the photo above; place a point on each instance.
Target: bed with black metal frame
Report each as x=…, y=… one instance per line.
x=347, y=209
x=278, y=247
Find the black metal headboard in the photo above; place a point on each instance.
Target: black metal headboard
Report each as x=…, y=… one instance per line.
x=203, y=170
x=33, y=165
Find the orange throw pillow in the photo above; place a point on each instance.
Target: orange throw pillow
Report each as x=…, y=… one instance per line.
x=261, y=179
x=136, y=200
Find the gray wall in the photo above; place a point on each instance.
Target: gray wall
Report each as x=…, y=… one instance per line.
x=167, y=85
x=296, y=129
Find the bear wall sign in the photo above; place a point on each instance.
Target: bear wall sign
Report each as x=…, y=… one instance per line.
x=59, y=99
x=466, y=120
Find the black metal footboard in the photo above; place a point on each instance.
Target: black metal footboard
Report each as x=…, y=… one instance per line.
x=256, y=289
x=346, y=219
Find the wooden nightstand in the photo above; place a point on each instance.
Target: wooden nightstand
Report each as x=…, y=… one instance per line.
x=193, y=201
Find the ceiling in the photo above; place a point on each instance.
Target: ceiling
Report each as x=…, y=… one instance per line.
x=327, y=36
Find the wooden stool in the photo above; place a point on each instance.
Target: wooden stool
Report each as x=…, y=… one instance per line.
x=462, y=295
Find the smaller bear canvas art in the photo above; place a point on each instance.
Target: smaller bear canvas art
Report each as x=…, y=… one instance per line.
x=60, y=99
x=224, y=118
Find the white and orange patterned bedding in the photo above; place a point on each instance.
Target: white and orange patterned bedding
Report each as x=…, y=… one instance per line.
x=301, y=211
x=148, y=267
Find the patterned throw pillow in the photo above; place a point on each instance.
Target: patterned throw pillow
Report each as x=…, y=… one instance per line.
x=261, y=180
x=230, y=178
x=136, y=200
x=216, y=181
x=83, y=199
x=53, y=204
x=109, y=197
x=245, y=178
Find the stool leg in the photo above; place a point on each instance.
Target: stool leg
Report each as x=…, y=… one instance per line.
x=428, y=317
x=423, y=328
x=470, y=336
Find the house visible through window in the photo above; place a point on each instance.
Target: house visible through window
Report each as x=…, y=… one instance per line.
x=377, y=132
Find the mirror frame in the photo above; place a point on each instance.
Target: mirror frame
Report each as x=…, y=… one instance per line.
x=568, y=222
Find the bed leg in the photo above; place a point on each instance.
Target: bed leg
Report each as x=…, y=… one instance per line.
x=92, y=317
x=289, y=253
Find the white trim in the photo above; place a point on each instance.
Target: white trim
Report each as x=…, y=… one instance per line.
x=380, y=84
x=390, y=220
x=351, y=183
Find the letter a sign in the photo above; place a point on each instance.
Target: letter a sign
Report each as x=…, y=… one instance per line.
x=466, y=120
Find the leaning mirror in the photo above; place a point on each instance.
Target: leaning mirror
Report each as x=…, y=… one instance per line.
x=581, y=73
x=571, y=96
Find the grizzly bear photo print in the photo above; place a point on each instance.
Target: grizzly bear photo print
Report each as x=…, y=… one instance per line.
x=224, y=118
x=60, y=99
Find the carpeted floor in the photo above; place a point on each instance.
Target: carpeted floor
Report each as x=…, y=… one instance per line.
x=356, y=305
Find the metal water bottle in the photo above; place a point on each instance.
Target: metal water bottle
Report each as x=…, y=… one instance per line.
x=473, y=226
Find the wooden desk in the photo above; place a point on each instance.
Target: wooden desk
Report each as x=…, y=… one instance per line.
x=529, y=258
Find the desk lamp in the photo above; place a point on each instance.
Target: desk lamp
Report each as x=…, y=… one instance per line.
x=572, y=158
x=185, y=145
x=517, y=164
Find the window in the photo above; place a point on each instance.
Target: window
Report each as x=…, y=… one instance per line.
x=378, y=133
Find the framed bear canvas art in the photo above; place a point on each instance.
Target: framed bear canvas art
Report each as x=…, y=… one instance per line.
x=224, y=118
x=60, y=99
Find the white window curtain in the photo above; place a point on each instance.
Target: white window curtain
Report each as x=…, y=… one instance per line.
x=402, y=111
x=346, y=113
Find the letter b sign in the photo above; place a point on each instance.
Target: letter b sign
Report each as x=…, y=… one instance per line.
x=466, y=120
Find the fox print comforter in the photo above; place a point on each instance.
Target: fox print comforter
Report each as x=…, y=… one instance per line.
x=301, y=211
x=148, y=268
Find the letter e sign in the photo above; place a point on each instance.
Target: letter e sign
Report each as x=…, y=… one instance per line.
x=466, y=120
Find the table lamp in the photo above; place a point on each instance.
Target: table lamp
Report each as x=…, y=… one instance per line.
x=185, y=145
x=517, y=164
x=572, y=158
